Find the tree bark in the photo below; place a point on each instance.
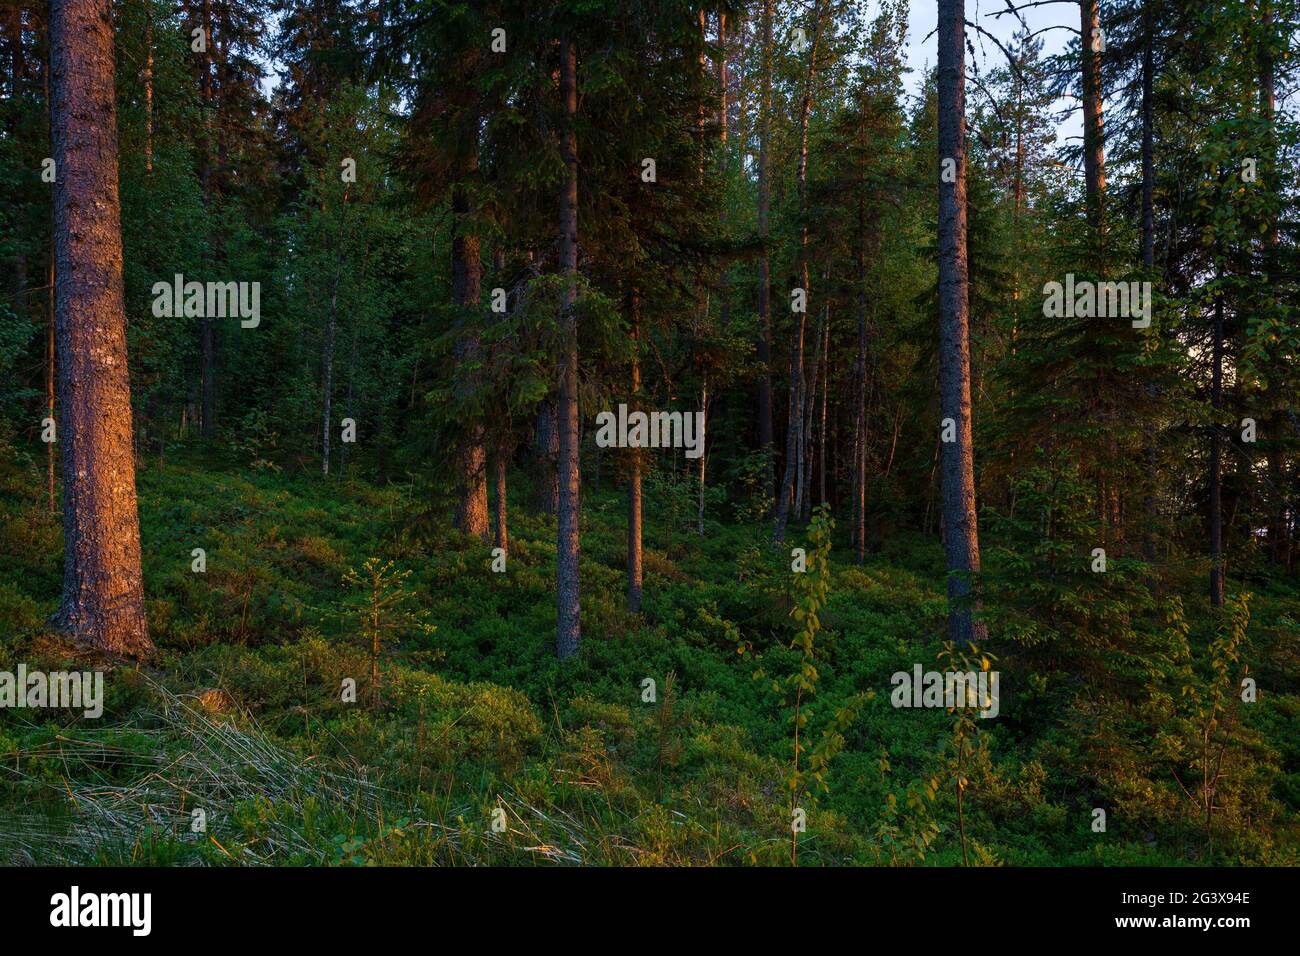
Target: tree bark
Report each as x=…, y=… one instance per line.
x=961, y=543
x=634, y=476
x=503, y=465
x=466, y=282
x=860, y=399
x=1149, y=258
x=826, y=383
x=766, y=437
x=1216, y=462
x=327, y=343
x=1094, y=155
x=207, y=332
x=1148, y=137
x=148, y=89
x=704, y=424
x=103, y=590
x=568, y=627
x=546, y=450
x=794, y=431
x=1279, y=545
x=49, y=380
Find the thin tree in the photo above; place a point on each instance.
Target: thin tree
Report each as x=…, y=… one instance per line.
x=961, y=538
x=766, y=439
x=794, y=429
x=634, y=475
x=466, y=281
x=568, y=626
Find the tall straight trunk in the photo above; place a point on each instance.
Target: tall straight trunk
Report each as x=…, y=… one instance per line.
x=704, y=424
x=1148, y=138
x=1094, y=155
x=466, y=282
x=1149, y=258
x=794, y=431
x=766, y=437
x=51, y=275
x=724, y=293
x=103, y=589
x=1279, y=545
x=803, y=496
x=502, y=468
x=327, y=344
x=49, y=380
x=826, y=383
x=794, y=418
x=961, y=539
x=352, y=371
x=546, y=453
x=207, y=331
x=860, y=398
x=634, y=476
x=568, y=628
x=148, y=88
x=1216, y=462
x=351, y=395
x=17, y=70
x=722, y=79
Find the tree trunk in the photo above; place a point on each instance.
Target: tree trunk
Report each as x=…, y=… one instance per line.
x=958, y=461
x=704, y=423
x=327, y=343
x=826, y=383
x=766, y=438
x=14, y=27
x=466, y=282
x=634, y=476
x=49, y=381
x=103, y=591
x=860, y=394
x=1279, y=545
x=1216, y=462
x=148, y=89
x=1094, y=157
x=207, y=333
x=1148, y=137
x=1149, y=260
x=794, y=432
x=810, y=411
x=568, y=627
x=503, y=465
x=546, y=450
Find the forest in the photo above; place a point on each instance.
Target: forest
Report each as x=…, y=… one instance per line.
x=650, y=433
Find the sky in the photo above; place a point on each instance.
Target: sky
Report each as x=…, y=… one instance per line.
x=922, y=52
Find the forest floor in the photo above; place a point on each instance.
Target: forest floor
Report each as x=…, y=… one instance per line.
x=479, y=747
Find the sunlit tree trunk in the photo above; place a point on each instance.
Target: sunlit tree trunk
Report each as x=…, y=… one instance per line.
x=961, y=539
x=634, y=475
x=103, y=592
x=766, y=438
